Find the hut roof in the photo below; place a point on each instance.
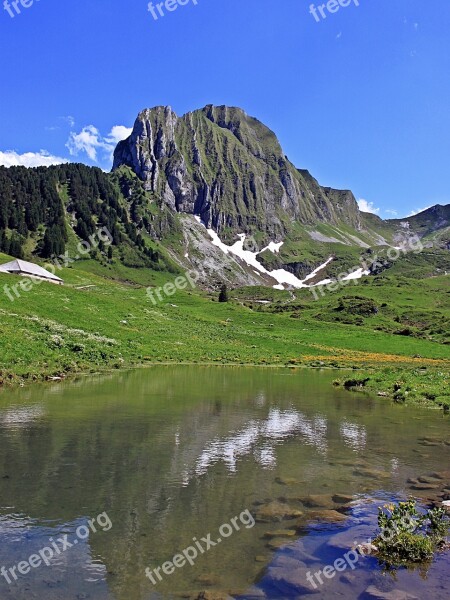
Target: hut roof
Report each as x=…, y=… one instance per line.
x=22, y=267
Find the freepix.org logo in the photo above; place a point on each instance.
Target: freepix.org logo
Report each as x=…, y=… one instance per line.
x=14, y=7
x=321, y=11
x=159, y=9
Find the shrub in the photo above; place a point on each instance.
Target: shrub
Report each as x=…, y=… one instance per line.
x=350, y=383
x=408, y=536
x=357, y=305
x=223, y=296
x=407, y=548
x=399, y=397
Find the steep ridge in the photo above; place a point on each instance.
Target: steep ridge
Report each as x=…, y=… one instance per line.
x=229, y=169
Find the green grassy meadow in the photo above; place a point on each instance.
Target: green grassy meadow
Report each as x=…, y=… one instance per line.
x=102, y=318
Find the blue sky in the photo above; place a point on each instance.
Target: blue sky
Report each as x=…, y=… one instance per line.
x=360, y=98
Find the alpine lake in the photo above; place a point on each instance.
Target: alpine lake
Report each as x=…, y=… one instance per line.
x=281, y=466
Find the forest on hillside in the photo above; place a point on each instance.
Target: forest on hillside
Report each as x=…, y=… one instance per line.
x=41, y=204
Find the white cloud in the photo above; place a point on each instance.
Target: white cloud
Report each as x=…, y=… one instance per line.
x=367, y=207
x=90, y=141
x=388, y=211
x=10, y=158
x=417, y=211
x=119, y=133
x=69, y=120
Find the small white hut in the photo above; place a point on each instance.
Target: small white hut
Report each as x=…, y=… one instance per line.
x=27, y=269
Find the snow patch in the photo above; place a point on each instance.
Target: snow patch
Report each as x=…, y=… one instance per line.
x=246, y=255
x=284, y=278
x=273, y=247
x=323, y=282
x=314, y=273
x=216, y=240
x=356, y=274
x=250, y=258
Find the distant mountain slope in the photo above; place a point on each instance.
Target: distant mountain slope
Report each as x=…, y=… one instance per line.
x=211, y=191
x=433, y=224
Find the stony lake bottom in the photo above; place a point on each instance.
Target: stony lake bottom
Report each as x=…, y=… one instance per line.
x=170, y=454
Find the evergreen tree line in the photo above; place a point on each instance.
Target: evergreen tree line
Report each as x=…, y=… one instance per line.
x=38, y=199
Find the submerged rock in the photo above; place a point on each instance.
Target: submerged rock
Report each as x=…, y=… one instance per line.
x=276, y=511
x=279, y=533
x=254, y=593
x=345, y=540
x=429, y=443
x=208, y=579
x=318, y=501
x=343, y=498
x=214, y=595
x=441, y=475
x=425, y=486
x=373, y=593
x=277, y=543
x=428, y=479
x=291, y=579
x=330, y=516
x=261, y=559
x=371, y=473
x=367, y=548
x=286, y=481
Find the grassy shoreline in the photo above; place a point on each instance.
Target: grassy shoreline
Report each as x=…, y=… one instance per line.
x=100, y=321
x=405, y=386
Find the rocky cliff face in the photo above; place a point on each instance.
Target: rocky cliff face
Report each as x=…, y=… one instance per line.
x=228, y=168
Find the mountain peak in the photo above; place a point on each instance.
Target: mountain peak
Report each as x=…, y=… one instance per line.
x=228, y=167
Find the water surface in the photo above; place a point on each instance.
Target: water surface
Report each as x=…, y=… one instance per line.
x=172, y=453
